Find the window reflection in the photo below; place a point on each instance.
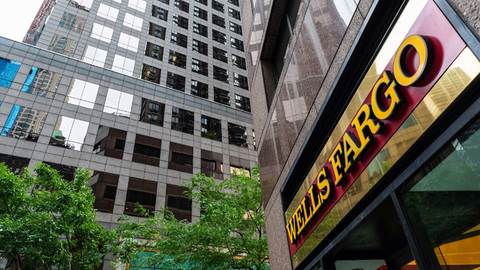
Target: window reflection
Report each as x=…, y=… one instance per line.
x=177, y=59
x=123, y=65
x=104, y=187
x=211, y=128
x=151, y=73
x=179, y=39
x=152, y=112
x=240, y=81
x=217, y=20
x=217, y=6
x=220, y=55
x=110, y=142
x=211, y=164
x=234, y=13
x=242, y=103
x=200, y=67
x=182, y=120
x=236, y=170
x=220, y=74
x=180, y=158
x=63, y=45
x=157, y=31
x=200, y=13
x=118, y=103
x=101, y=32
x=178, y=202
x=154, y=51
x=128, y=42
x=180, y=21
x=159, y=13
x=236, y=43
x=84, y=5
x=182, y=5
x=200, y=47
x=235, y=28
x=24, y=123
x=139, y=5
x=15, y=164
x=133, y=22
x=8, y=70
x=71, y=22
x=219, y=37
x=239, y=62
x=221, y=96
x=237, y=135
x=142, y=191
x=69, y=133
x=147, y=150
x=107, y=12
x=199, y=89
x=94, y=56
x=82, y=93
x=200, y=29
x=176, y=81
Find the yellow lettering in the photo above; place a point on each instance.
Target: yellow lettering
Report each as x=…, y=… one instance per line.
x=361, y=122
x=352, y=149
x=292, y=229
x=392, y=92
x=337, y=163
x=422, y=45
x=325, y=188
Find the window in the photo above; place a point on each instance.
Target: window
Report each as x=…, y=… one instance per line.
x=63, y=45
x=107, y=12
x=200, y=67
x=199, y=89
x=180, y=21
x=234, y=13
x=200, y=13
x=200, y=47
x=220, y=74
x=71, y=22
x=105, y=191
x=217, y=20
x=67, y=172
x=84, y=5
x=101, y=32
x=69, y=133
x=156, y=31
x=82, y=93
x=128, y=42
x=182, y=120
x=220, y=55
x=219, y=36
x=237, y=135
x=200, y=29
x=8, y=70
x=24, y=123
x=151, y=74
x=234, y=2
x=177, y=59
x=182, y=5
x=165, y=1
x=221, y=96
x=204, y=2
x=110, y=142
x=179, y=39
x=133, y=22
x=147, y=150
x=154, y=51
x=240, y=81
x=217, y=6
x=211, y=128
x=178, y=202
x=181, y=158
x=139, y=5
x=254, y=140
x=142, y=191
x=239, y=170
x=118, y=103
x=235, y=28
x=236, y=43
x=15, y=164
x=160, y=13
x=152, y=112
x=176, y=81
x=123, y=65
x=242, y=103
x=41, y=82
x=94, y=56
x=211, y=164
x=239, y=61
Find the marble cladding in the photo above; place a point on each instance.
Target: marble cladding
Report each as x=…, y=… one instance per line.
x=321, y=33
x=469, y=11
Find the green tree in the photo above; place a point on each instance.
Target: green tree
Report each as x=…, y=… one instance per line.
x=230, y=233
x=47, y=222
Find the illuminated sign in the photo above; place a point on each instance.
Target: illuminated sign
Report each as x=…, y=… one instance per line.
x=418, y=63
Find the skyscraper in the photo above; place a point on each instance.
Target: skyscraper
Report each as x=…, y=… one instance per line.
x=143, y=93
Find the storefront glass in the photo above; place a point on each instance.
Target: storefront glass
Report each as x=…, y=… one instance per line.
x=443, y=202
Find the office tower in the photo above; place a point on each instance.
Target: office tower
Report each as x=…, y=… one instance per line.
x=143, y=93
x=366, y=115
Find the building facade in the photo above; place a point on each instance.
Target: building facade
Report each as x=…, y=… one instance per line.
x=143, y=93
x=367, y=121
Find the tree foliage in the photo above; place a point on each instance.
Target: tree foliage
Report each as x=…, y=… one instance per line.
x=230, y=233
x=47, y=222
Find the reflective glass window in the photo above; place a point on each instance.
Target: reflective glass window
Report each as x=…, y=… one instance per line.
x=220, y=74
x=217, y=6
x=133, y=22
x=105, y=191
x=24, y=123
x=178, y=202
x=217, y=20
x=200, y=67
x=234, y=2
x=63, y=45
x=221, y=96
x=180, y=21
x=84, y=5
x=240, y=81
x=159, y=13
x=94, y=56
x=15, y=164
x=237, y=135
x=82, y=93
x=118, y=103
x=8, y=70
x=157, y=31
x=239, y=62
x=139, y=5
x=200, y=47
x=234, y=13
x=177, y=59
x=211, y=128
x=69, y=133
x=154, y=51
x=147, y=150
x=199, y=89
x=242, y=103
x=200, y=13
x=151, y=73
x=204, y=2
x=101, y=32
x=182, y=120
x=200, y=29
x=236, y=43
x=107, y=12
x=123, y=65
x=220, y=55
x=219, y=36
x=42, y=82
x=165, y=1
x=240, y=170
x=110, y=142
x=128, y=42
x=176, y=81
x=182, y=5
x=143, y=192
x=152, y=112
x=235, y=28
x=71, y=22
x=179, y=39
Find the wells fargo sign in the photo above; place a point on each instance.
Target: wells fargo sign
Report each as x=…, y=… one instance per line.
x=429, y=48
